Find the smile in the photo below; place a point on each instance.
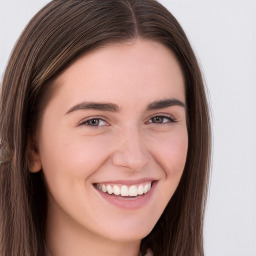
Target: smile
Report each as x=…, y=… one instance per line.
x=124, y=190
x=127, y=195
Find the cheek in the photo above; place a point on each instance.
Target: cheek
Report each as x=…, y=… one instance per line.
x=177, y=156
x=172, y=153
x=172, y=160
x=68, y=163
x=73, y=155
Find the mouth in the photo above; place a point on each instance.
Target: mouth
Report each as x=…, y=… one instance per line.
x=125, y=190
x=132, y=196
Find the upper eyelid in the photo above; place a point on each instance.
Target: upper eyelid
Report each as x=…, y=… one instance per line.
x=164, y=115
x=83, y=121
x=171, y=119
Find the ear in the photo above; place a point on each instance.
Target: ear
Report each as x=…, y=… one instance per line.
x=33, y=156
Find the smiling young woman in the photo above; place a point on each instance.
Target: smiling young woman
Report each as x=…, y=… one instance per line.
x=106, y=132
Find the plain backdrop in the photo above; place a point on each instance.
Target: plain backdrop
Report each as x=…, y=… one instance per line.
x=223, y=35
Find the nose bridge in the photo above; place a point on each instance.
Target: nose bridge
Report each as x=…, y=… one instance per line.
x=131, y=151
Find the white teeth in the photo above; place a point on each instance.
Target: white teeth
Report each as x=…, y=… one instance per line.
x=116, y=190
x=140, y=190
x=146, y=188
x=109, y=189
x=124, y=190
x=133, y=191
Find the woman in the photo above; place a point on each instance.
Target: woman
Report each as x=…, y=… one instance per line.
x=105, y=134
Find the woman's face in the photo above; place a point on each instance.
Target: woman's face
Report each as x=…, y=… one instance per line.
x=115, y=126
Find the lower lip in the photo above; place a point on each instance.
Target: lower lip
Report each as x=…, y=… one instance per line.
x=128, y=203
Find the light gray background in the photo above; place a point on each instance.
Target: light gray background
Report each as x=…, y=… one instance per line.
x=223, y=35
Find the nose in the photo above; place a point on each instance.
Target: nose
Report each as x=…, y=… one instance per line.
x=131, y=151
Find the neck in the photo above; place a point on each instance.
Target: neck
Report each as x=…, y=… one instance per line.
x=89, y=248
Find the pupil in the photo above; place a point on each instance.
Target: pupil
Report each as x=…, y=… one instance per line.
x=94, y=122
x=158, y=119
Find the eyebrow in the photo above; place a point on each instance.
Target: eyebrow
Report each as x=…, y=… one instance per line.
x=165, y=104
x=95, y=106
x=111, y=107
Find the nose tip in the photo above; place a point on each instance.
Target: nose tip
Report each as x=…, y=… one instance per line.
x=131, y=153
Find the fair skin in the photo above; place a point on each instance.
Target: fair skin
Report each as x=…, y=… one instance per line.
x=138, y=138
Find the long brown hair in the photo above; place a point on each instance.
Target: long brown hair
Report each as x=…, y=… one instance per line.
x=54, y=38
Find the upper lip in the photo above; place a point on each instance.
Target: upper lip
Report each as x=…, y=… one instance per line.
x=127, y=182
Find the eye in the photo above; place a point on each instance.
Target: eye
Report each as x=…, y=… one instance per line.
x=95, y=122
x=161, y=120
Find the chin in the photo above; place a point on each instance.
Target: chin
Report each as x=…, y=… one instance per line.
x=129, y=233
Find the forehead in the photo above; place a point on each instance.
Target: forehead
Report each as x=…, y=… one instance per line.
x=130, y=71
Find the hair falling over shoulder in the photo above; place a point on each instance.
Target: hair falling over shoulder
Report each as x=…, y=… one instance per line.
x=53, y=39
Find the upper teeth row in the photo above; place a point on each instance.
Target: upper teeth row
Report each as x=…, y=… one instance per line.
x=125, y=190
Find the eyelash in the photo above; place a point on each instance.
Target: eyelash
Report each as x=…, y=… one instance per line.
x=86, y=122
x=168, y=118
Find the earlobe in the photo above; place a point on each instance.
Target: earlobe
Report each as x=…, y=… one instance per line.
x=33, y=157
